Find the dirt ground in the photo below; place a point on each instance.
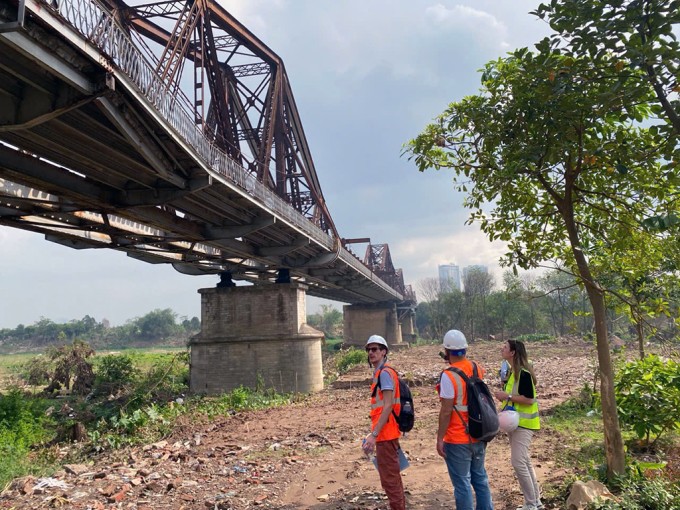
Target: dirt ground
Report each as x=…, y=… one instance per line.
x=307, y=454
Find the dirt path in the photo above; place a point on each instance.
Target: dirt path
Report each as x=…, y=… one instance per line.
x=307, y=455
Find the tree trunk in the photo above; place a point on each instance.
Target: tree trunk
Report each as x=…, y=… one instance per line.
x=640, y=334
x=613, y=441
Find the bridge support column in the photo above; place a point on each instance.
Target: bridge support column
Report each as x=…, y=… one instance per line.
x=362, y=321
x=408, y=333
x=252, y=335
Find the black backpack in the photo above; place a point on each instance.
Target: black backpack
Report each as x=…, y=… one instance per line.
x=406, y=416
x=482, y=415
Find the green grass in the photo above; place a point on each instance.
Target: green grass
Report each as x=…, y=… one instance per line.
x=10, y=368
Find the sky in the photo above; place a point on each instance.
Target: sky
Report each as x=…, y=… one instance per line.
x=367, y=76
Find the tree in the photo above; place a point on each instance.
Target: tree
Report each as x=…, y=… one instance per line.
x=441, y=308
x=157, y=324
x=477, y=285
x=328, y=321
x=549, y=146
x=507, y=309
x=564, y=297
x=638, y=34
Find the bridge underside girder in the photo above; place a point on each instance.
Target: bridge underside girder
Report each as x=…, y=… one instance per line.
x=87, y=161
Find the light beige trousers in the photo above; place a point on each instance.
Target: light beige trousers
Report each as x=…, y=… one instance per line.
x=520, y=440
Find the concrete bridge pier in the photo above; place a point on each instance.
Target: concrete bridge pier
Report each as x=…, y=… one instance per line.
x=362, y=321
x=253, y=335
x=408, y=330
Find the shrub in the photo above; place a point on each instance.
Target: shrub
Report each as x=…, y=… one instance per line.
x=350, y=358
x=114, y=372
x=636, y=492
x=37, y=371
x=23, y=424
x=648, y=396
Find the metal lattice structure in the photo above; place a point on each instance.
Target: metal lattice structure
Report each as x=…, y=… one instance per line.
x=169, y=132
x=379, y=260
x=242, y=98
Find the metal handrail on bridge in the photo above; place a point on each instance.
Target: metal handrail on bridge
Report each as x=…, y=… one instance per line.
x=94, y=22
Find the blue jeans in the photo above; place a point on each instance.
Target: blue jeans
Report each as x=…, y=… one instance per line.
x=465, y=463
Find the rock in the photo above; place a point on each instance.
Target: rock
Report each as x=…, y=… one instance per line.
x=323, y=498
x=76, y=469
x=584, y=493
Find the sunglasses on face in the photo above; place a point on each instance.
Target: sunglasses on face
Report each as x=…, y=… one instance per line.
x=372, y=349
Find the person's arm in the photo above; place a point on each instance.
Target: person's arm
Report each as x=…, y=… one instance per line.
x=388, y=403
x=522, y=398
x=444, y=420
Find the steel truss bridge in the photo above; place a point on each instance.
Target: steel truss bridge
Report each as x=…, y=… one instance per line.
x=168, y=131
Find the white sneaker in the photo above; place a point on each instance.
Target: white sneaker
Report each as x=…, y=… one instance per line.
x=527, y=507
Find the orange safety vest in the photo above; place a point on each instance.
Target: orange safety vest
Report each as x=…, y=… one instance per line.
x=456, y=434
x=391, y=429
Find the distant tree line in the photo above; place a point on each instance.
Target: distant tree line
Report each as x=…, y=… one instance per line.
x=530, y=304
x=156, y=326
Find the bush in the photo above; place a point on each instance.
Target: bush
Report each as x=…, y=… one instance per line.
x=648, y=396
x=350, y=358
x=37, y=371
x=635, y=492
x=23, y=424
x=114, y=372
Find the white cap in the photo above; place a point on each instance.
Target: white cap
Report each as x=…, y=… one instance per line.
x=376, y=339
x=454, y=340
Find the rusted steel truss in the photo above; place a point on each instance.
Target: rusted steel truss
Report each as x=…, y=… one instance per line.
x=236, y=88
x=379, y=260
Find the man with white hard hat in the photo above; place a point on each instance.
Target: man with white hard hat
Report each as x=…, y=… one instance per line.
x=464, y=455
x=385, y=433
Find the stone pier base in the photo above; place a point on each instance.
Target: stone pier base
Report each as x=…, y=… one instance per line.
x=254, y=336
x=408, y=332
x=362, y=321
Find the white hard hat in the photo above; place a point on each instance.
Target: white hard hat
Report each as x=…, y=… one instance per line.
x=454, y=340
x=508, y=420
x=376, y=339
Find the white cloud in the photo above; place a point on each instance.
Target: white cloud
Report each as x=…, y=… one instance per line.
x=484, y=26
x=463, y=247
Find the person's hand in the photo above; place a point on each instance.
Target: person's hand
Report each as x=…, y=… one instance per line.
x=369, y=444
x=501, y=395
x=440, y=448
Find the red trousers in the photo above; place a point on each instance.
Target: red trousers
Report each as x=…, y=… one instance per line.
x=388, y=469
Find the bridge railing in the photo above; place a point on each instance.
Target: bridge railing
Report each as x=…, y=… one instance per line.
x=94, y=21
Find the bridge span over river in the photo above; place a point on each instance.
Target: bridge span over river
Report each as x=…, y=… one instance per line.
x=169, y=131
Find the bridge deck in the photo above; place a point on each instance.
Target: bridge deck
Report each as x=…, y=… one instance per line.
x=94, y=157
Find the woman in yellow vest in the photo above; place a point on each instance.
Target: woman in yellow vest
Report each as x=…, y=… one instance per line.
x=520, y=393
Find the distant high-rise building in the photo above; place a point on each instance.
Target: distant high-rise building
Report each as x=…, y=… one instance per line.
x=449, y=277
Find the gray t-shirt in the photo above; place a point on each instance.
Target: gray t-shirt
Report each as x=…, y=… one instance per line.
x=386, y=382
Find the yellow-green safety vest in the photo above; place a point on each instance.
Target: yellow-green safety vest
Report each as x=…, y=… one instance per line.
x=528, y=413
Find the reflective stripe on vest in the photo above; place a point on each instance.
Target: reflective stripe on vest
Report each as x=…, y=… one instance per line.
x=528, y=413
x=458, y=383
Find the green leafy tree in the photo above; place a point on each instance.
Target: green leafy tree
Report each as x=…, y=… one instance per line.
x=638, y=36
x=157, y=324
x=548, y=146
